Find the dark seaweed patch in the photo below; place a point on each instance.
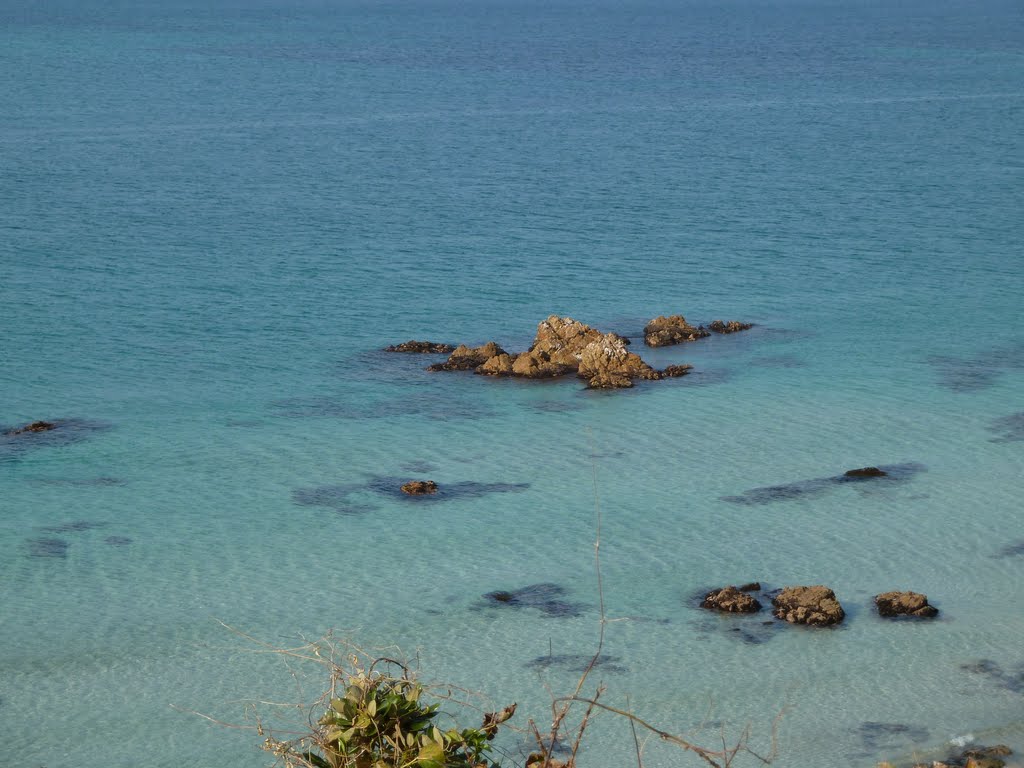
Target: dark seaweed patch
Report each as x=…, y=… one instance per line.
x=117, y=541
x=392, y=486
x=879, y=737
x=344, y=499
x=546, y=598
x=418, y=467
x=335, y=497
x=895, y=474
x=995, y=674
x=47, y=547
x=742, y=627
x=1009, y=429
x=75, y=526
x=88, y=482
x=981, y=371
x=577, y=662
x=429, y=405
x=1012, y=549
x=65, y=432
x=556, y=406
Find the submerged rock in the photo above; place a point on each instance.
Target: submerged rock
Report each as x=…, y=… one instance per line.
x=753, y=586
x=730, y=600
x=673, y=371
x=865, y=472
x=35, y=426
x=664, y=331
x=465, y=358
x=729, y=326
x=892, y=604
x=421, y=347
x=420, y=487
x=815, y=605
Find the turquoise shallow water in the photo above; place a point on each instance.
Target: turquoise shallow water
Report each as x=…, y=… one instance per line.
x=214, y=216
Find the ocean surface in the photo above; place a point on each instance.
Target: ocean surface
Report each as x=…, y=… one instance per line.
x=214, y=215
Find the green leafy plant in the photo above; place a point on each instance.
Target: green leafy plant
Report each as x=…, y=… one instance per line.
x=384, y=721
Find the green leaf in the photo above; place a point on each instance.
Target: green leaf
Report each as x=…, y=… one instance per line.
x=371, y=708
x=431, y=755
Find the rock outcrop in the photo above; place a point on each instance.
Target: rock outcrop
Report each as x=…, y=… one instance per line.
x=892, y=604
x=35, y=426
x=729, y=326
x=421, y=347
x=465, y=358
x=730, y=600
x=499, y=365
x=673, y=371
x=420, y=487
x=556, y=349
x=865, y=472
x=808, y=605
x=664, y=331
x=606, y=364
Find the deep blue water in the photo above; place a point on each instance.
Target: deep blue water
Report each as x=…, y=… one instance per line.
x=214, y=215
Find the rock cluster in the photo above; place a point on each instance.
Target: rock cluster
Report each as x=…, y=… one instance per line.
x=35, y=426
x=664, y=331
x=729, y=326
x=561, y=347
x=420, y=487
x=730, y=600
x=421, y=347
x=892, y=604
x=808, y=605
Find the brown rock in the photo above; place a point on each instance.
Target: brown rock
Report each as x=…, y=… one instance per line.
x=730, y=600
x=35, y=426
x=421, y=347
x=730, y=326
x=420, y=487
x=606, y=364
x=499, y=365
x=865, y=472
x=905, y=604
x=556, y=349
x=754, y=586
x=808, y=605
x=465, y=358
x=663, y=331
x=676, y=370
x=984, y=762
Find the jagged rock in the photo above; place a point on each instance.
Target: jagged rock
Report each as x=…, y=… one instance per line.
x=730, y=600
x=556, y=349
x=754, y=586
x=905, y=604
x=676, y=370
x=865, y=472
x=730, y=326
x=35, y=426
x=664, y=331
x=499, y=365
x=420, y=487
x=808, y=605
x=606, y=364
x=465, y=358
x=421, y=347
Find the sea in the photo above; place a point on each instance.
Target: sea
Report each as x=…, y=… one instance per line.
x=215, y=215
